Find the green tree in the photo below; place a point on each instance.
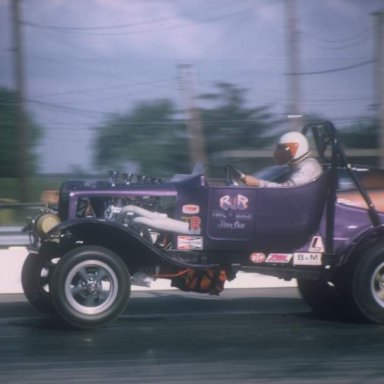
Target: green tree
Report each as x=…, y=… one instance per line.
x=363, y=134
x=9, y=147
x=229, y=124
x=148, y=135
x=153, y=136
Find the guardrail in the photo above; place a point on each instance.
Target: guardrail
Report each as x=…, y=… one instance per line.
x=22, y=205
x=12, y=235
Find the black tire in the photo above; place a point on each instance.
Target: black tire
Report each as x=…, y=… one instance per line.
x=327, y=299
x=35, y=275
x=368, y=284
x=90, y=286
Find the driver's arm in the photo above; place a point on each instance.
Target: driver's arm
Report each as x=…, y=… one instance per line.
x=250, y=181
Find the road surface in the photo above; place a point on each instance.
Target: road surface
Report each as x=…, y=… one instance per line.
x=243, y=336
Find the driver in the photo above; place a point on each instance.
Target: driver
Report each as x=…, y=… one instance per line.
x=293, y=150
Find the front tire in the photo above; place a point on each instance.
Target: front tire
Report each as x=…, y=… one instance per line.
x=90, y=286
x=35, y=276
x=368, y=284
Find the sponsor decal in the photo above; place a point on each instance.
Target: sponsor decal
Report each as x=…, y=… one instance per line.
x=232, y=225
x=257, y=257
x=316, y=244
x=230, y=214
x=307, y=258
x=282, y=258
x=236, y=203
x=191, y=209
x=189, y=242
x=194, y=224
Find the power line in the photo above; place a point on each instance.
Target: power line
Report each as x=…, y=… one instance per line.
x=345, y=46
x=363, y=33
x=82, y=112
x=334, y=69
x=219, y=6
x=163, y=28
x=98, y=89
x=98, y=73
x=126, y=25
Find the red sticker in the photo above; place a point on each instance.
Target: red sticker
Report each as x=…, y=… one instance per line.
x=191, y=209
x=257, y=257
x=282, y=258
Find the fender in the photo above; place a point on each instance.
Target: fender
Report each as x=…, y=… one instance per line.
x=116, y=237
x=361, y=241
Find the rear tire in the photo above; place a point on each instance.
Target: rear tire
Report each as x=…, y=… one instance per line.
x=368, y=284
x=328, y=299
x=90, y=286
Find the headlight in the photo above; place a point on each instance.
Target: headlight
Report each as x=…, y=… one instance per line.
x=46, y=222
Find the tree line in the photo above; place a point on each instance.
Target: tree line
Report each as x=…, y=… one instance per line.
x=152, y=137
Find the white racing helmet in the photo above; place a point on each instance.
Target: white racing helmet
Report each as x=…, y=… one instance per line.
x=291, y=146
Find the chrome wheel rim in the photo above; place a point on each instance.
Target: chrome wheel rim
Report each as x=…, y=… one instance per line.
x=91, y=287
x=377, y=285
x=45, y=274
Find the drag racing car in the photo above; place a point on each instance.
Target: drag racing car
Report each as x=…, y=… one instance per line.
x=105, y=235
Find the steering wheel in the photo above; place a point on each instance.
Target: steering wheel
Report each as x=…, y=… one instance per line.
x=233, y=175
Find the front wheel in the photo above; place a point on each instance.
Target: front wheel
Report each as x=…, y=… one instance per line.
x=35, y=276
x=368, y=284
x=90, y=286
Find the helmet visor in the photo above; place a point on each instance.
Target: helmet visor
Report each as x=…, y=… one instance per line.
x=284, y=153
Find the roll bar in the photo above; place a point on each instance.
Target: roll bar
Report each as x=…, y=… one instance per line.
x=326, y=137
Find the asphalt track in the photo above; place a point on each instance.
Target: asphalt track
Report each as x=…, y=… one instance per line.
x=242, y=336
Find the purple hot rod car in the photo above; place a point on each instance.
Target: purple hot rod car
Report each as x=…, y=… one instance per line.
x=103, y=235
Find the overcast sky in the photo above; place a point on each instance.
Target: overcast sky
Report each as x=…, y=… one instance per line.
x=87, y=59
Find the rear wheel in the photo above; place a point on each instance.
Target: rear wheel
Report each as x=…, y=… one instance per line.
x=90, y=286
x=327, y=298
x=368, y=284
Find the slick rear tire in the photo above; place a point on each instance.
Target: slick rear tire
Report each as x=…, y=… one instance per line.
x=368, y=284
x=318, y=295
x=327, y=299
x=90, y=286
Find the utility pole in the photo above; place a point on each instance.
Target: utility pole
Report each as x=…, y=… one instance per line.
x=194, y=125
x=22, y=129
x=293, y=66
x=378, y=79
